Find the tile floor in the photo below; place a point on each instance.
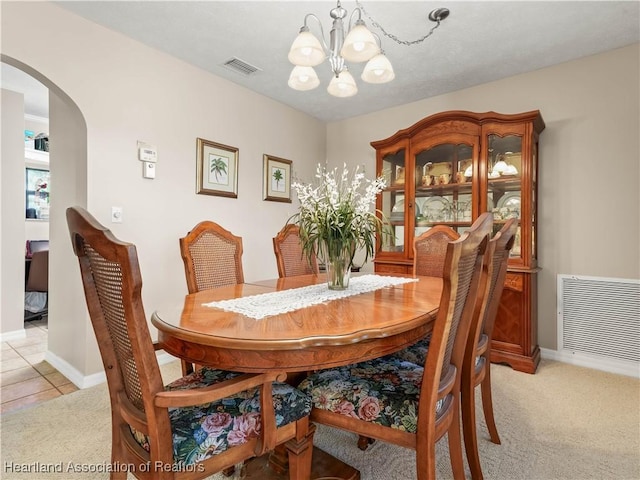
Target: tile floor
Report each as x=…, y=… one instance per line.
x=25, y=377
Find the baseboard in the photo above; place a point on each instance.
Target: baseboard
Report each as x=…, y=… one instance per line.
x=629, y=369
x=15, y=335
x=86, y=381
x=72, y=373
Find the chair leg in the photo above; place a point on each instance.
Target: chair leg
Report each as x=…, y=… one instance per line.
x=455, y=444
x=487, y=406
x=426, y=458
x=117, y=474
x=229, y=471
x=240, y=471
x=300, y=450
x=468, y=405
x=187, y=368
x=364, y=442
x=117, y=450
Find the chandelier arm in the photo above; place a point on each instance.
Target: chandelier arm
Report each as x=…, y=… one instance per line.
x=377, y=37
x=435, y=18
x=351, y=17
x=324, y=42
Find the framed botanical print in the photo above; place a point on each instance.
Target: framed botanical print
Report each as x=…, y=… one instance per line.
x=277, y=179
x=217, y=169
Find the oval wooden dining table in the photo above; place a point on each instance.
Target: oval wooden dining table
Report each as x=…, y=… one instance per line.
x=329, y=334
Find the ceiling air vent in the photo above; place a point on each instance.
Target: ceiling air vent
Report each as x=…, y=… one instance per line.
x=240, y=66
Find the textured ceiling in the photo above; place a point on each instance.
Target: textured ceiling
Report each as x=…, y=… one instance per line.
x=480, y=41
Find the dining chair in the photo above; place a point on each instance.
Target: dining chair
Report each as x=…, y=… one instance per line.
x=403, y=403
x=212, y=257
x=429, y=253
x=290, y=258
x=430, y=249
x=476, y=370
x=36, y=289
x=197, y=425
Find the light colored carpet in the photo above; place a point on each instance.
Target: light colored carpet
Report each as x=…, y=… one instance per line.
x=564, y=422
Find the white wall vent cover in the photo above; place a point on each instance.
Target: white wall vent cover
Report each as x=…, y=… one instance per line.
x=599, y=321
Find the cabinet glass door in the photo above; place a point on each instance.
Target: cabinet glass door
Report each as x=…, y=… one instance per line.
x=443, y=183
x=504, y=192
x=393, y=196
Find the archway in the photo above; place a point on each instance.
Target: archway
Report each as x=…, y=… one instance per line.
x=69, y=328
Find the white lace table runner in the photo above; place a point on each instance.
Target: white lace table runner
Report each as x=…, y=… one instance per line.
x=276, y=303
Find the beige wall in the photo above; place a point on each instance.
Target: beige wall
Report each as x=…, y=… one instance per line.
x=66, y=297
x=12, y=216
x=589, y=161
x=128, y=92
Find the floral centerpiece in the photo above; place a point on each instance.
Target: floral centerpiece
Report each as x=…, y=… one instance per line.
x=336, y=220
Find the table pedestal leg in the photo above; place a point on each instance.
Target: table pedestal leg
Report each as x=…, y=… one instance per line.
x=323, y=467
x=276, y=466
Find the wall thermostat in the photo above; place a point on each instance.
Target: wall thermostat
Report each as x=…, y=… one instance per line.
x=147, y=153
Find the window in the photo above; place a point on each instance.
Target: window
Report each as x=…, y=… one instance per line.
x=37, y=193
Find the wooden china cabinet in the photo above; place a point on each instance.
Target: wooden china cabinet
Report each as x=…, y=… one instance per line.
x=448, y=169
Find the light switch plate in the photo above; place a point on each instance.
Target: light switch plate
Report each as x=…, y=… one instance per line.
x=116, y=214
x=148, y=170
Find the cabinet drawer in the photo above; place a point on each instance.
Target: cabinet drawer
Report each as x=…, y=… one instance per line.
x=392, y=268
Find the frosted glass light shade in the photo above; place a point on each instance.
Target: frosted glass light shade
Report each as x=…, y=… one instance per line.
x=378, y=70
x=343, y=85
x=500, y=167
x=359, y=45
x=303, y=78
x=306, y=50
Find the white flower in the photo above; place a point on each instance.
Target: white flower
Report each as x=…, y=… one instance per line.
x=335, y=214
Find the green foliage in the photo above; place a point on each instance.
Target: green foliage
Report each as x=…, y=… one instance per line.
x=335, y=215
x=218, y=167
x=277, y=175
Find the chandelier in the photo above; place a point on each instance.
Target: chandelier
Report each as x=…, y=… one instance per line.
x=359, y=45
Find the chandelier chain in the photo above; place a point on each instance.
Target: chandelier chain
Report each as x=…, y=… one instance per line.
x=392, y=36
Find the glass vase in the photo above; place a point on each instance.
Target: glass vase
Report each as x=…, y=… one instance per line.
x=338, y=266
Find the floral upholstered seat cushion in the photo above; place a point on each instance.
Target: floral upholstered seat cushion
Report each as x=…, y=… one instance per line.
x=202, y=431
x=383, y=391
x=417, y=353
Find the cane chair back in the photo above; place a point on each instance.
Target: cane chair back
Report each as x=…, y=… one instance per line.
x=407, y=404
x=150, y=422
x=477, y=366
x=290, y=258
x=212, y=257
x=429, y=254
x=430, y=249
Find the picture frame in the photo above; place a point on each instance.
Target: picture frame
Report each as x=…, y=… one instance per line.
x=37, y=193
x=217, y=169
x=277, y=179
